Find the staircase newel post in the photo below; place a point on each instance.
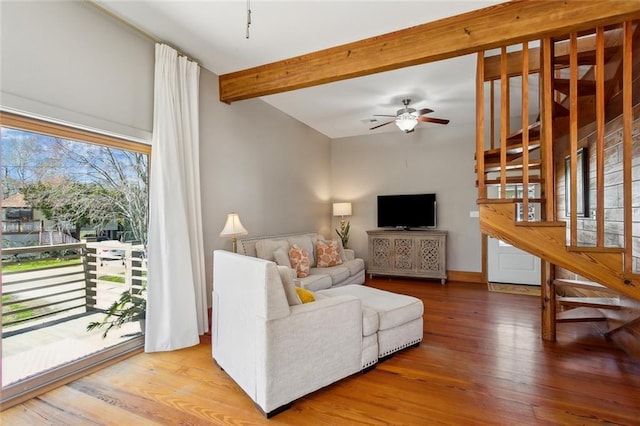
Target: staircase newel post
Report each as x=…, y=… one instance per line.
x=548, y=301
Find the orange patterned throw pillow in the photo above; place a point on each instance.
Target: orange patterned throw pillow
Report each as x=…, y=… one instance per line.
x=328, y=254
x=299, y=260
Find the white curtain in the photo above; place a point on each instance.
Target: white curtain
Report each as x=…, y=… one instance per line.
x=176, y=291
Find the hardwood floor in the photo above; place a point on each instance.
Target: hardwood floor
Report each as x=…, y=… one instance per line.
x=482, y=361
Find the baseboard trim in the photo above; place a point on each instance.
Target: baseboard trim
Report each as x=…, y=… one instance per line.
x=465, y=276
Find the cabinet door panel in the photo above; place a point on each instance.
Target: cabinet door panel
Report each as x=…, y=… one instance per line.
x=382, y=253
x=403, y=259
x=429, y=255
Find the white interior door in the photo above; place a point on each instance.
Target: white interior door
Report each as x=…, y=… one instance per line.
x=507, y=264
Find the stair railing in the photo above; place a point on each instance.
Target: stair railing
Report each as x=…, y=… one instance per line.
x=560, y=65
x=508, y=168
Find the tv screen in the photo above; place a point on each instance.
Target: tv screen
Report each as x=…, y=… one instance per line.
x=407, y=211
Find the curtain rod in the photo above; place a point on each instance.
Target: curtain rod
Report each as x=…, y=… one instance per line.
x=137, y=29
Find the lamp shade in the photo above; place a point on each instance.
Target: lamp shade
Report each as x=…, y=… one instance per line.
x=233, y=226
x=342, y=209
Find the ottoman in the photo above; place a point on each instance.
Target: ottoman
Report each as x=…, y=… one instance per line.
x=399, y=316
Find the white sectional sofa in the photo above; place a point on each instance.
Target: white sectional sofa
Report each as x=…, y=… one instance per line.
x=350, y=271
x=278, y=349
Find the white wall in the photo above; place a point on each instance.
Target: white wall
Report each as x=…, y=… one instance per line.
x=69, y=61
x=434, y=158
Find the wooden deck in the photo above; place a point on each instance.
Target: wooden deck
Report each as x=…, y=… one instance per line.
x=41, y=349
x=482, y=361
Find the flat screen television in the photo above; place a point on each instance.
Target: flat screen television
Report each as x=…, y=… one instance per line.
x=407, y=211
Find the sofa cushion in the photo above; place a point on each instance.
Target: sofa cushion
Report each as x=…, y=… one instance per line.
x=393, y=309
x=305, y=296
x=337, y=273
x=327, y=254
x=315, y=282
x=370, y=321
x=354, y=266
x=305, y=242
x=266, y=248
x=289, y=285
x=299, y=260
x=281, y=256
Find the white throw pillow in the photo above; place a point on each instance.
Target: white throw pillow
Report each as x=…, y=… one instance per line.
x=265, y=248
x=289, y=286
x=343, y=255
x=281, y=256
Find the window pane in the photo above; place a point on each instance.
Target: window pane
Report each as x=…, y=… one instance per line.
x=74, y=221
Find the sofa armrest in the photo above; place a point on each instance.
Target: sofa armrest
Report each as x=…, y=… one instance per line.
x=318, y=344
x=350, y=254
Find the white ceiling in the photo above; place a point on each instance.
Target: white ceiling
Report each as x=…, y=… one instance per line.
x=213, y=33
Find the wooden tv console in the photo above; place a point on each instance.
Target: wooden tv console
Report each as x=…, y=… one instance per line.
x=408, y=253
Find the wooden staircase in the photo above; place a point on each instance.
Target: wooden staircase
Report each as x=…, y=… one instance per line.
x=586, y=90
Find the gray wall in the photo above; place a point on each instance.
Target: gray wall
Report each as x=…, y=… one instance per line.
x=269, y=168
x=69, y=61
x=434, y=158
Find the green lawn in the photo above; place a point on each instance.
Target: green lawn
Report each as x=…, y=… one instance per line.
x=29, y=265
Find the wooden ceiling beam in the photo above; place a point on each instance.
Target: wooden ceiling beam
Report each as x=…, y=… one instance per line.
x=502, y=24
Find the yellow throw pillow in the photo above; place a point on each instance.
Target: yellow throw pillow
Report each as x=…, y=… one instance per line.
x=328, y=254
x=299, y=260
x=305, y=295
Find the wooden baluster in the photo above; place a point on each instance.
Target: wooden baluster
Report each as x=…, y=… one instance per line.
x=482, y=190
x=600, y=124
x=546, y=129
x=504, y=120
x=627, y=114
x=573, y=135
x=492, y=113
x=525, y=131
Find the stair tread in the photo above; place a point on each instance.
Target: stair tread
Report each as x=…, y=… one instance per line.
x=513, y=179
x=509, y=200
x=586, y=57
x=593, y=302
x=585, y=87
x=513, y=150
x=534, y=133
x=589, y=285
x=511, y=165
x=583, y=314
x=621, y=326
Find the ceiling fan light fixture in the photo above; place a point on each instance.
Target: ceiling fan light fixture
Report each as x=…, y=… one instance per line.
x=406, y=122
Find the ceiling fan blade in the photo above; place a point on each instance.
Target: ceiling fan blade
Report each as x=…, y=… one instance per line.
x=424, y=111
x=433, y=120
x=384, y=115
x=383, y=124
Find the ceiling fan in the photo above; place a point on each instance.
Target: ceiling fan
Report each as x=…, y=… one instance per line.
x=407, y=118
